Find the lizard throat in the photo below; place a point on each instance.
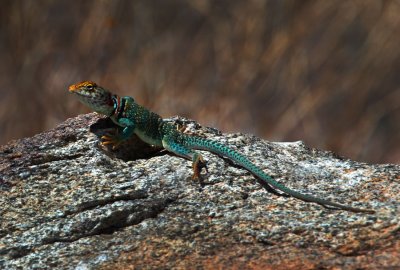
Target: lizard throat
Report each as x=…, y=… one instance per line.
x=102, y=104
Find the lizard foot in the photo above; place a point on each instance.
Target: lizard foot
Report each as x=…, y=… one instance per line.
x=112, y=140
x=180, y=127
x=198, y=164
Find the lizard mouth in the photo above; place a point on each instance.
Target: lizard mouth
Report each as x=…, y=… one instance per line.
x=76, y=90
x=72, y=88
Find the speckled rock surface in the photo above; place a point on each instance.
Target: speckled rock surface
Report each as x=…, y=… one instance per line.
x=68, y=203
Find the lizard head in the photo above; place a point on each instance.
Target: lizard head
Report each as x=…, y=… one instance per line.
x=94, y=96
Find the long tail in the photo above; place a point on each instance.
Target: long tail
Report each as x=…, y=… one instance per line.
x=222, y=150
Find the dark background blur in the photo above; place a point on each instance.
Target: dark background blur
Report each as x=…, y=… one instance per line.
x=325, y=72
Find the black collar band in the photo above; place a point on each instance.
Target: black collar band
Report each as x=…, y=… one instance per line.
x=121, y=108
x=115, y=102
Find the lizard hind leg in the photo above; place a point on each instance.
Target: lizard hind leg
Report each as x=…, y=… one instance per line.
x=198, y=163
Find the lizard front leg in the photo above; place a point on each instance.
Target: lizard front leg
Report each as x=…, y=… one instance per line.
x=126, y=128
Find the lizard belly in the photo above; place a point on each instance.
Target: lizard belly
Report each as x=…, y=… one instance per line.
x=148, y=139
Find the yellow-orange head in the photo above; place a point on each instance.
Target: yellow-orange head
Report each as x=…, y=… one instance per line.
x=94, y=96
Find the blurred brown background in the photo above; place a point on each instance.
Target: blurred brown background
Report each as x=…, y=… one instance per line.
x=325, y=72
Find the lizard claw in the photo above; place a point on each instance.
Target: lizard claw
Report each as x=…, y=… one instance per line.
x=180, y=127
x=114, y=141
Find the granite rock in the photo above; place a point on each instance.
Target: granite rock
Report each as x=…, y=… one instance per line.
x=68, y=202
